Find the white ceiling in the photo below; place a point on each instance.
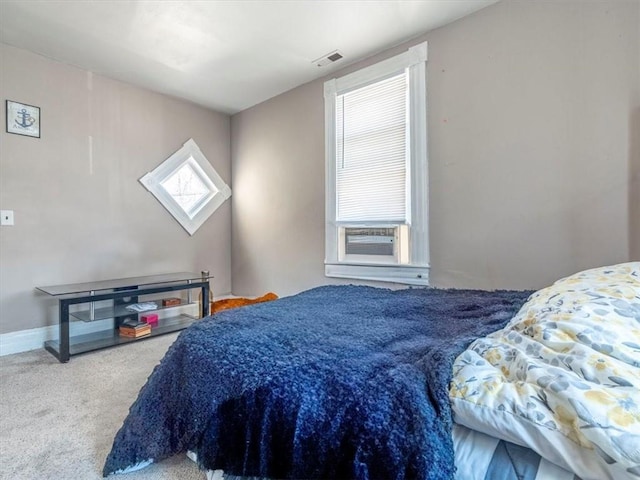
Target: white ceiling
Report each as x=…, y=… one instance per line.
x=225, y=55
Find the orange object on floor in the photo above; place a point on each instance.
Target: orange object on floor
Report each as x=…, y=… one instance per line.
x=228, y=303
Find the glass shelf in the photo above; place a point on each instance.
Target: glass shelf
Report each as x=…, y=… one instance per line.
x=132, y=283
x=121, y=311
x=110, y=338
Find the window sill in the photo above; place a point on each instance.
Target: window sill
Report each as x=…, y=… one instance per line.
x=405, y=274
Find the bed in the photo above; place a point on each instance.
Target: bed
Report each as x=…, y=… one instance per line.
x=362, y=382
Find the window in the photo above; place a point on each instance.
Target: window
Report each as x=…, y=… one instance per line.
x=376, y=172
x=187, y=186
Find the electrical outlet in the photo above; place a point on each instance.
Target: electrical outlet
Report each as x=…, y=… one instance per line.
x=6, y=217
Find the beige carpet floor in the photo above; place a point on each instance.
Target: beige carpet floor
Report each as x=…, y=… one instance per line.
x=58, y=421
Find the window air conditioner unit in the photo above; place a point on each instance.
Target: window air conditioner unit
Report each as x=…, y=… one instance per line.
x=378, y=244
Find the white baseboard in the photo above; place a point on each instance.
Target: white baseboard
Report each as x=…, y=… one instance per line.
x=34, y=338
x=25, y=340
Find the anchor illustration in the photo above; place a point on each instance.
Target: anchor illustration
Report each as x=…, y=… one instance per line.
x=26, y=121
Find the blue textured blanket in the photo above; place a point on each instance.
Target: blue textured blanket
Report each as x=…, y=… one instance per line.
x=336, y=382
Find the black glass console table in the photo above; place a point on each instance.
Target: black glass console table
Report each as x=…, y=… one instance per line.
x=123, y=297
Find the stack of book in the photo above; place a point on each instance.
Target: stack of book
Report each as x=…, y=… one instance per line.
x=134, y=329
x=171, y=302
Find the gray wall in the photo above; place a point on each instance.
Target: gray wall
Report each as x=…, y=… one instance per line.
x=533, y=168
x=634, y=179
x=80, y=212
x=534, y=142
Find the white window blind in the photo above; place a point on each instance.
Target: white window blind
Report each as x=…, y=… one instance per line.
x=371, y=152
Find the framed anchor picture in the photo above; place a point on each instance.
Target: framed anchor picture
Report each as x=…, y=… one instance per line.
x=23, y=119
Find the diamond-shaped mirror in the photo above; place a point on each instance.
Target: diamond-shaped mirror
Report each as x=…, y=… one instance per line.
x=187, y=186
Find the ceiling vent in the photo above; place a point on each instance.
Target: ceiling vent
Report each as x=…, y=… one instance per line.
x=328, y=58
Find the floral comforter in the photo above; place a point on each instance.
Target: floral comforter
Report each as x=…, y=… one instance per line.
x=563, y=377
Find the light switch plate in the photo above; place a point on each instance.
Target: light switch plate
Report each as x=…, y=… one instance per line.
x=6, y=217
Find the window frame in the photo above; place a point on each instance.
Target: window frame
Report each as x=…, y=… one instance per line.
x=190, y=154
x=416, y=271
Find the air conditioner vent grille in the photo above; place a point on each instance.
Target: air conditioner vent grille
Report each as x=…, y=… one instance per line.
x=369, y=241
